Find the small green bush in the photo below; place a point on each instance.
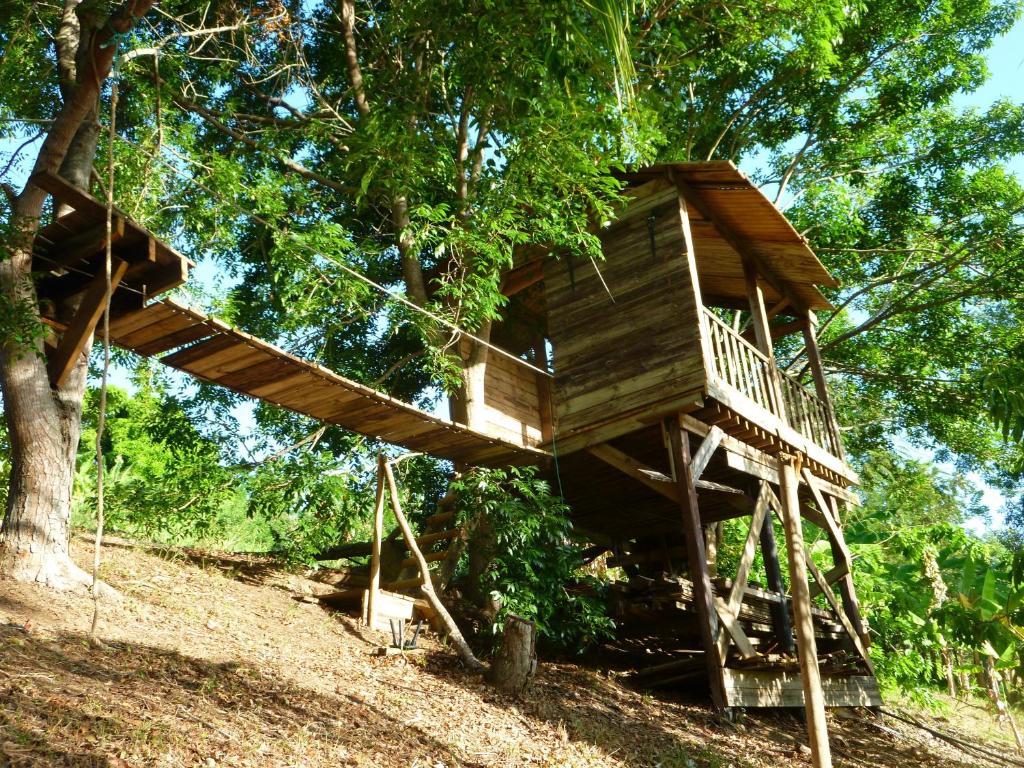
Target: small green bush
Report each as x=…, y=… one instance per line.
x=535, y=568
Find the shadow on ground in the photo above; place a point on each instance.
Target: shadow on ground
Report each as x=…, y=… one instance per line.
x=63, y=702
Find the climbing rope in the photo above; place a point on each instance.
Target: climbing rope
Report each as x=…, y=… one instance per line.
x=101, y=417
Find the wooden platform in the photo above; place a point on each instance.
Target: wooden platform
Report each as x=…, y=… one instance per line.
x=69, y=252
x=784, y=689
x=190, y=341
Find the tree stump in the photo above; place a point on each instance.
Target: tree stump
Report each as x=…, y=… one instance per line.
x=515, y=662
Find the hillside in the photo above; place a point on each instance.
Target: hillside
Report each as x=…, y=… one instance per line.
x=207, y=663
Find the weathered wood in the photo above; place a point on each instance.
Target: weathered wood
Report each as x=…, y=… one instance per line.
x=729, y=620
x=389, y=605
x=846, y=585
x=735, y=599
x=707, y=448
x=617, y=357
x=807, y=325
x=831, y=577
x=426, y=585
x=515, y=663
x=653, y=479
x=745, y=688
x=83, y=245
x=679, y=447
x=81, y=328
x=840, y=554
x=810, y=676
x=377, y=535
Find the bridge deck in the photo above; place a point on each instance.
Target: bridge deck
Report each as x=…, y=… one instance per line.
x=190, y=341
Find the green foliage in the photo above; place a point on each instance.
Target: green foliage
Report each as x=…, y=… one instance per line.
x=307, y=502
x=536, y=568
x=927, y=586
x=162, y=477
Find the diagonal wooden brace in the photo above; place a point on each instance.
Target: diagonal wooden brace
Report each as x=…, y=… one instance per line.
x=739, y=584
x=80, y=330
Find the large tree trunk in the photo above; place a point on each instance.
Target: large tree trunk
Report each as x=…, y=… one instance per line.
x=45, y=422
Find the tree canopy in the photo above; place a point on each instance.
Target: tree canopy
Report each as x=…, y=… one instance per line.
x=296, y=145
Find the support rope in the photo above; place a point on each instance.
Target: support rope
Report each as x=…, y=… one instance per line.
x=101, y=417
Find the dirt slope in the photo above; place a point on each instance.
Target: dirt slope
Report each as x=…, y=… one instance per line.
x=208, y=664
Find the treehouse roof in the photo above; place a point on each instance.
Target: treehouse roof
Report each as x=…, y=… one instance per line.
x=729, y=215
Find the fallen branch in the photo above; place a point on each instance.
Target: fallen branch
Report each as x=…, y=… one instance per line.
x=986, y=754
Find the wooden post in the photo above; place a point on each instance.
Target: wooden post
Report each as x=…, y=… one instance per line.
x=840, y=553
x=454, y=634
x=810, y=675
x=703, y=597
x=773, y=575
x=378, y=532
x=763, y=334
x=818, y=373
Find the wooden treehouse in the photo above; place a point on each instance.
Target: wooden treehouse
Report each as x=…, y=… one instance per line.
x=648, y=386
x=668, y=411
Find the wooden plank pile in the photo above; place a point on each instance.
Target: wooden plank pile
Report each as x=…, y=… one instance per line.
x=646, y=605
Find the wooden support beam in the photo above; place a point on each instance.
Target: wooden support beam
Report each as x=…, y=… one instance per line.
x=809, y=328
x=378, y=533
x=731, y=623
x=830, y=578
x=82, y=326
x=426, y=585
x=825, y=589
x=825, y=519
x=846, y=585
x=773, y=576
x=763, y=334
x=83, y=245
x=778, y=307
x=777, y=331
x=739, y=584
x=703, y=596
x=807, y=651
x=626, y=464
x=834, y=603
x=429, y=557
x=691, y=266
x=840, y=554
x=703, y=455
x=521, y=278
x=652, y=478
x=741, y=247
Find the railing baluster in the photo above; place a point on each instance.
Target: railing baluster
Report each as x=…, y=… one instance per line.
x=742, y=366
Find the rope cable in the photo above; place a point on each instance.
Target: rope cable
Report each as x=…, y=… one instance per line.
x=101, y=416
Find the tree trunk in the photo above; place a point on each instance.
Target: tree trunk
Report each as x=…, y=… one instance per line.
x=515, y=663
x=44, y=422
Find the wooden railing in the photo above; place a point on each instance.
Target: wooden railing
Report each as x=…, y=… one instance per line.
x=743, y=367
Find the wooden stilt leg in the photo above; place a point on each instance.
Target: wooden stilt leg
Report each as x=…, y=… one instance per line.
x=814, y=701
x=703, y=597
x=378, y=532
x=773, y=575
